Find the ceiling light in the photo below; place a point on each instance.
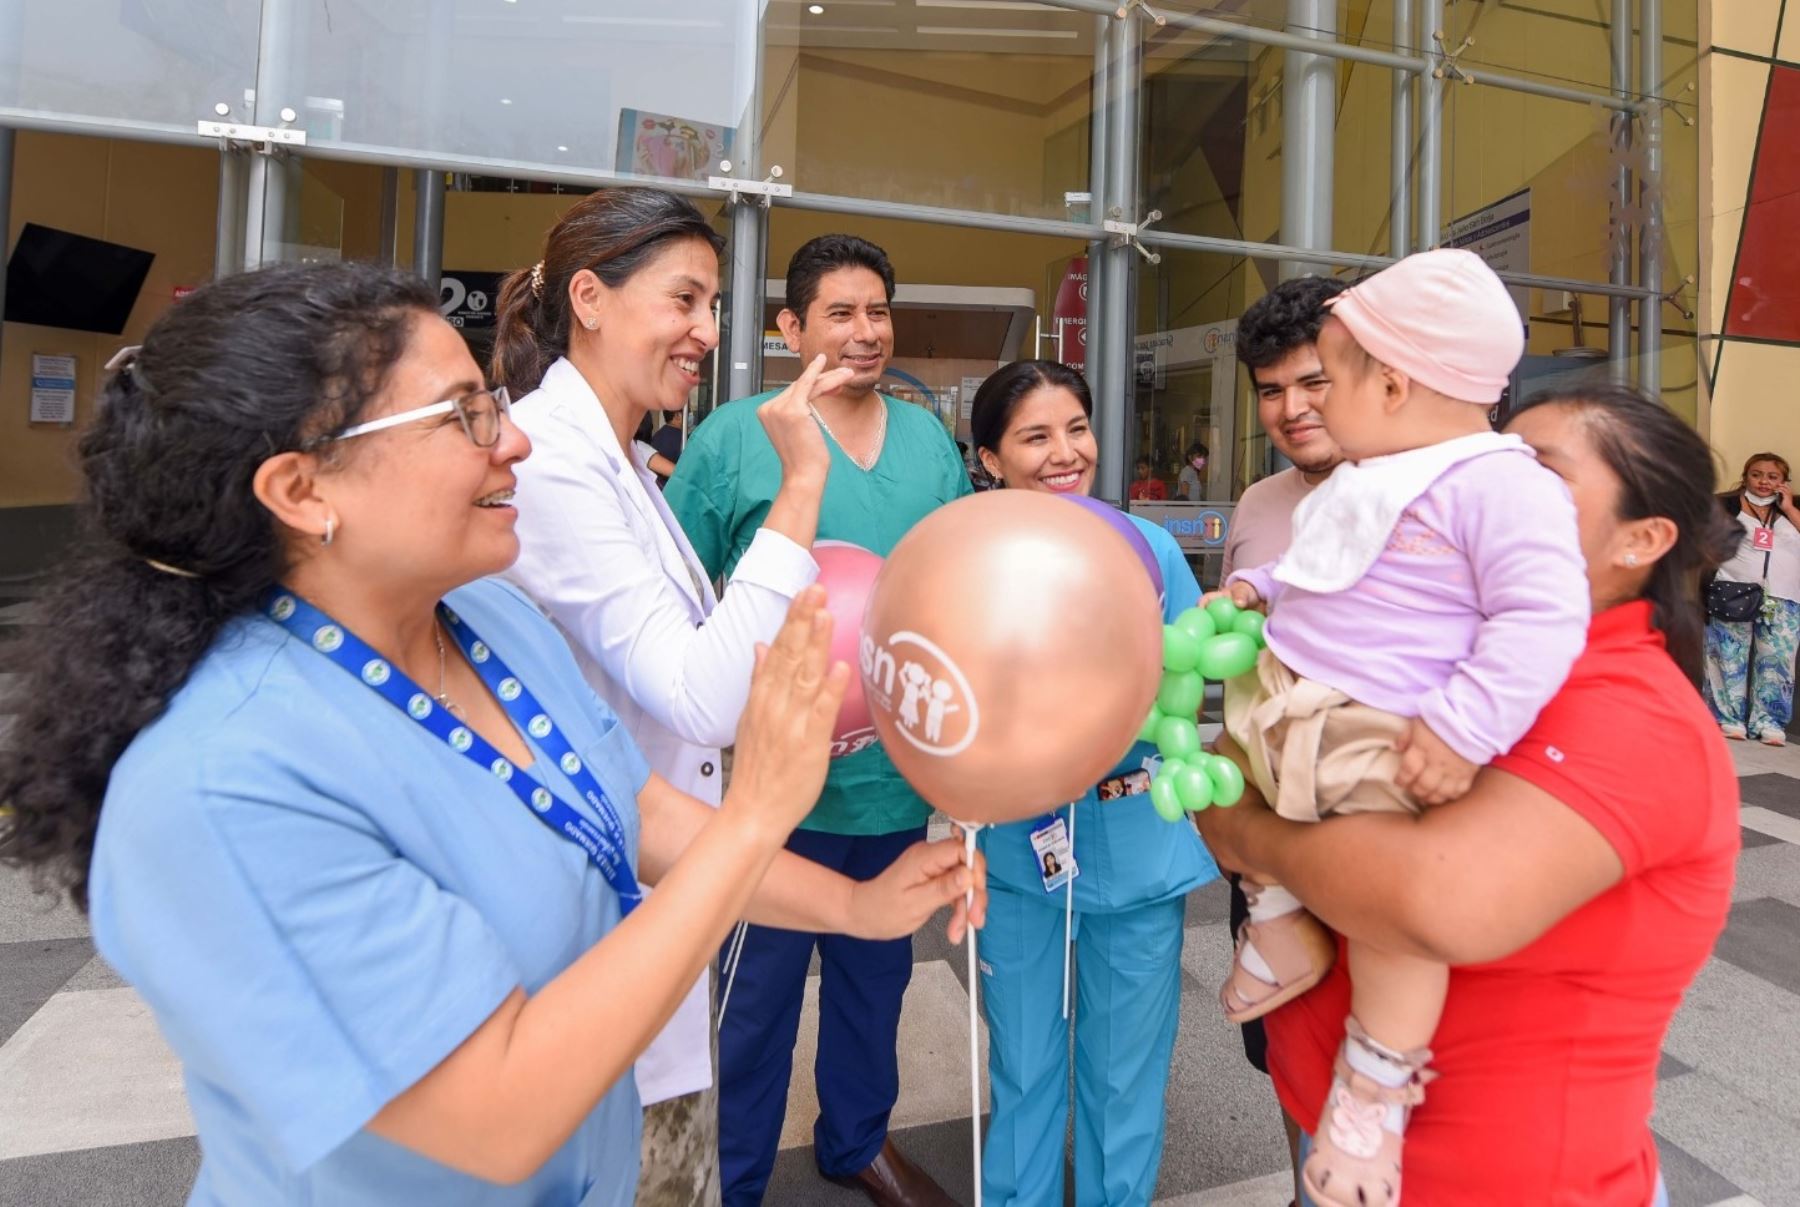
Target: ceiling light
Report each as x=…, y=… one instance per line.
x=506, y=100
x=560, y=147
x=817, y=10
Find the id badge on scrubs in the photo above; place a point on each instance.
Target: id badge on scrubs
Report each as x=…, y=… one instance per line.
x=1056, y=860
x=1762, y=538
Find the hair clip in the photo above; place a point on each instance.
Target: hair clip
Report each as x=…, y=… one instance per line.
x=537, y=279
x=123, y=358
x=165, y=568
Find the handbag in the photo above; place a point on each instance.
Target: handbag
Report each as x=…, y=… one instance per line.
x=1733, y=602
x=1736, y=602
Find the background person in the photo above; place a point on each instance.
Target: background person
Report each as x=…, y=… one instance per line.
x=305, y=793
x=1277, y=345
x=1190, y=483
x=1146, y=485
x=669, y=438
x=608, y=329
x=1578, y=887
x=892, y=463
x=1750, y=663
x=1031, y=425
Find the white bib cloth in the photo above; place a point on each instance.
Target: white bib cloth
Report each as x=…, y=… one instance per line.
x=1343, y=525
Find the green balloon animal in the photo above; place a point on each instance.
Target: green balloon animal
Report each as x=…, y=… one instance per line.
x=1219, y=642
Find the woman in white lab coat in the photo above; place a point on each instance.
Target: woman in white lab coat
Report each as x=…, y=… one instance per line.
x=612, y=323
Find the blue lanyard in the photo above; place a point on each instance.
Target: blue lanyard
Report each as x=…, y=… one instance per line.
x=604, y=842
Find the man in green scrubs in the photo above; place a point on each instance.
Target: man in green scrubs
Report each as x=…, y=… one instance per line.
x=891, y=464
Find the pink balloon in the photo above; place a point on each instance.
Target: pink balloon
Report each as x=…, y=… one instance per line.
x=847, y=572
x=1011, y=650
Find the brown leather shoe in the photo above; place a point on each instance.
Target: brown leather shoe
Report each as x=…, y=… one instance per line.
x=893, y=1181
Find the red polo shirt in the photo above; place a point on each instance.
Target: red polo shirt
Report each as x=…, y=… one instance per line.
x=1547, y=1058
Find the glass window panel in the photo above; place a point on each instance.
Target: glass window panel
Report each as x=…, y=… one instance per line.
x=160, y=62
x=595, y=85
x=1213, y=148
x=966, y=106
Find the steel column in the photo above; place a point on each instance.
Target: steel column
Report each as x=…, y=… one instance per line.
x=1430, y=190
x=1618, y=325
x=1115, y=393
x=1308, y=133
x=6, y=178
x=749, y=246
x=1095, y=367
x=228, y=237
x=1650, y=237
x=389, y=247
x=1400, y=141
x=273, y=177
x=428, y=226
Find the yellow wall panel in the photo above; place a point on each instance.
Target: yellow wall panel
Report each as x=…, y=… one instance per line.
x=1746, y=25
x=1750, y=411
x=157, y=198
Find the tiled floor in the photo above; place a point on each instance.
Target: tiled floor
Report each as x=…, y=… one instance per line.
x=92, y=1113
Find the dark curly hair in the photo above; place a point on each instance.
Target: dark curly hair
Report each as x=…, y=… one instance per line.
x=612, y=233
x=1285, y=318
x=1664, y=469
x=239, y=371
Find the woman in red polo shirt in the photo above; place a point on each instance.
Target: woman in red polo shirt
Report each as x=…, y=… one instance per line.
x=1581, y=883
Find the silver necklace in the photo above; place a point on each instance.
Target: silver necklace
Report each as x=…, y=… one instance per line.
x=880, y=436
x=443, y=692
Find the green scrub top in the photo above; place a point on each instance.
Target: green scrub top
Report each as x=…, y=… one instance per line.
x=723, y=487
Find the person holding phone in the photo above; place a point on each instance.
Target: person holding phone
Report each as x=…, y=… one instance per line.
x=1750, y=647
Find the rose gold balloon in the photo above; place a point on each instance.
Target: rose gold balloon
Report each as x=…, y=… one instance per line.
x=1011, y=650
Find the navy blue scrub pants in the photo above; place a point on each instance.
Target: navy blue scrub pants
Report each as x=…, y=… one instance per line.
x=857, y=1070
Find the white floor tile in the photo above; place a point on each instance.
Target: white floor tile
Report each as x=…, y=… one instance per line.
x=1271, y=1190
x=1767, y=821
x=1748, y=1145
x=89, y=1070
x=26, y=914
x=934, y=1056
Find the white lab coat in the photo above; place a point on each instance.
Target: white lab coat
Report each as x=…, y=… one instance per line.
x=604, y=557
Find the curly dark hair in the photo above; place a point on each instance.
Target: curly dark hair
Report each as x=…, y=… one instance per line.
x=239, y=371
x=1664, y=469
x=1285, y=318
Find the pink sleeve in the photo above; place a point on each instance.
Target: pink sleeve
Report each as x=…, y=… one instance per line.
x=1261, y=579
x=1515, y=522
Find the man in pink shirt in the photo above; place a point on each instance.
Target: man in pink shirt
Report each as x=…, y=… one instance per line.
x=1276, y=340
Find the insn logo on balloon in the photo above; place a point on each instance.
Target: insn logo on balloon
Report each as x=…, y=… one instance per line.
x=936, y=709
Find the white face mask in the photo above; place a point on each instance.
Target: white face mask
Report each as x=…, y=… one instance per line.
x=1759, y=500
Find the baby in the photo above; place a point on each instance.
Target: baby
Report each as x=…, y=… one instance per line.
x=1432, y=602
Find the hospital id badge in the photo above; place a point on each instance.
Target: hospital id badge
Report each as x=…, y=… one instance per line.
x=1762, y=538
x=1056, y=860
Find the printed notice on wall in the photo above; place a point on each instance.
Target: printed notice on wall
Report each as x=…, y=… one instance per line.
x=52, y=389
x=969, y=386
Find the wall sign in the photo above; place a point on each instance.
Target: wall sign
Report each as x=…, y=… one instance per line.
x=52, y=388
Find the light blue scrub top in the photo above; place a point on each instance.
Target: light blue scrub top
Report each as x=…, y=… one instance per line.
x=1128, y=856
x=320, y=902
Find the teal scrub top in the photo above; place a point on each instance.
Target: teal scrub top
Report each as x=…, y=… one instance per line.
x=1127, y=855
x=320, y=902
x=722, y=490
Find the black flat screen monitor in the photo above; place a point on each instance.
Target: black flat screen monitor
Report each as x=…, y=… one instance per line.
x=59, y=279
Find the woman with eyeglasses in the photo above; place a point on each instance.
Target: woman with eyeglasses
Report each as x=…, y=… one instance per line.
x=340, y=805
x=612, y=324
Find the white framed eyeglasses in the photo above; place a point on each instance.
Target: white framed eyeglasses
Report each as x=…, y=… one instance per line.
x=480, y=413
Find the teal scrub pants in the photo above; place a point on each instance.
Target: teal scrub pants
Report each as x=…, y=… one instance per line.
x=1127, y=993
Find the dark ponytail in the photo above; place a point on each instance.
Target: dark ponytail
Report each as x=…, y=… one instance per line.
x=612, y=233
x=174, y=543
x=1664, y=469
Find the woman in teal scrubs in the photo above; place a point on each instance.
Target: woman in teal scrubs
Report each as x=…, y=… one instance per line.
x=1132, y=873
x=342, y=807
